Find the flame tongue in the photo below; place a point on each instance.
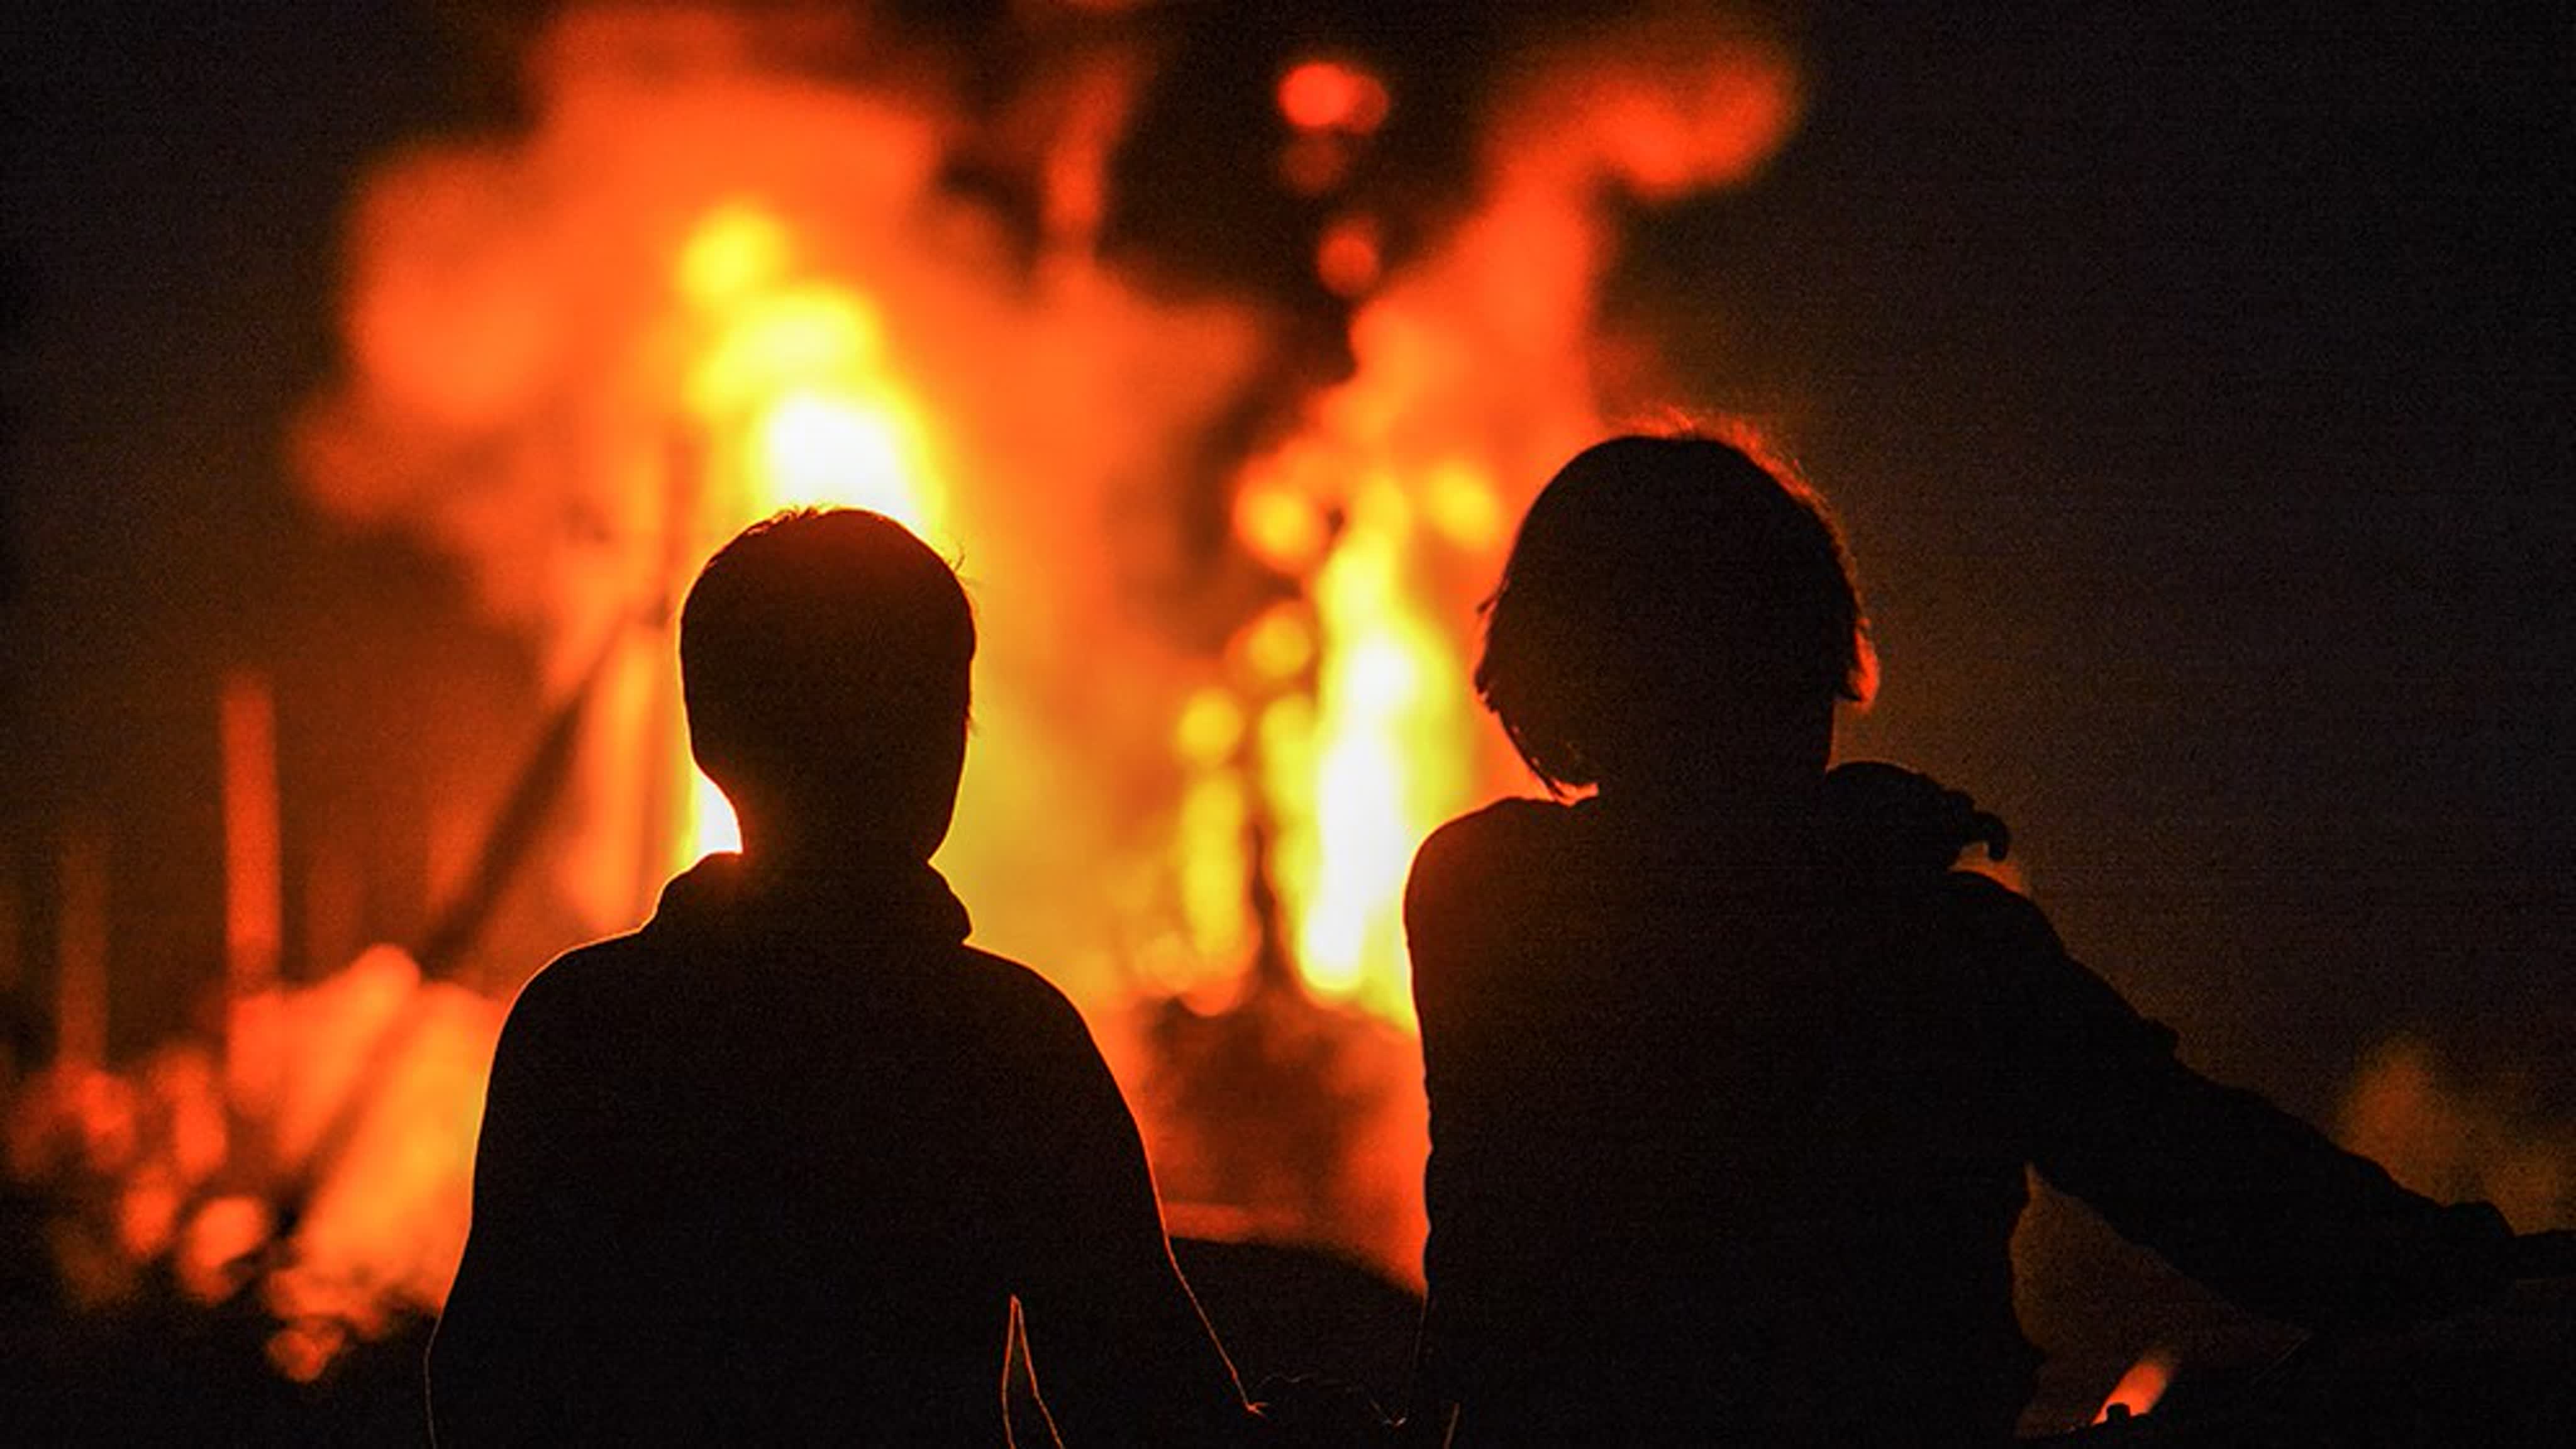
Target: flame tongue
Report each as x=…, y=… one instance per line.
x=2139, y=1388
x=710, y=282
x=798, y=409
x=1392, y=756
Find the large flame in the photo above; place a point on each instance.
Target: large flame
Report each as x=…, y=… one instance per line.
x=1382, y=752
x=723, y=271
x=799, y=409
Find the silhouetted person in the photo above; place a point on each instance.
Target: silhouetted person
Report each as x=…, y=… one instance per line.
x=774, y=1167
x=1733, y=1082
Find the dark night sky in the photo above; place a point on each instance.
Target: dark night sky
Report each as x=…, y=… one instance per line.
x=2193, y=387
x=2198, y=397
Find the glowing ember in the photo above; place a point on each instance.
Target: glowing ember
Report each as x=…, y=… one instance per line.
x=361, y=1123
x=1347, y=260
x=1325, y=95
x=2139, y=1388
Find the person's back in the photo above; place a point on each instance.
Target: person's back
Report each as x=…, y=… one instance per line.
x=1709, y=1206
x=1732, y=1083
x=776, y=1166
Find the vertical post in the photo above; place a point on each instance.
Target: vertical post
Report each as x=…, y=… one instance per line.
x=13, y=970
x=254, y=909
x=667, y=783
x=80, y=948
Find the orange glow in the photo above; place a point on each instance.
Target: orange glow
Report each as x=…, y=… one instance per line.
x=2447, y=1135
x=210, y=1262
x=1380, y=760
x=1326, y=95
x=699, y=287
x=147, y=1215
x=320, y=1038
x=386, y=1222
x=737, y=251
x=1459, y=503
x=80, y=949
x=303, y=1349
x=1211, y=728
x=1281, y=526
x=2139, y=1388
x=1347, y=261
x=794, y=393
x=1279, y=646
x=253, y=903
x=187, y=1098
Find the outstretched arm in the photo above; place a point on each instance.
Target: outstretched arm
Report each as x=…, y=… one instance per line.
x=2228, y=1187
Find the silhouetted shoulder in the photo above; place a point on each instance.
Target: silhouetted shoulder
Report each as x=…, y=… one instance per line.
x=2049, y=1012
x=554, y=1008
x=1470, y=852
x=1986, y=910
x=1030, y=1002
x=578, y=975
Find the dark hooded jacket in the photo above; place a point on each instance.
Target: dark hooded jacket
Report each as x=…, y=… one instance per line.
x=774, y=1168
x=1729, y=1140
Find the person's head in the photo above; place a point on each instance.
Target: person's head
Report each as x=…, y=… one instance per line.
x=824, y=659
x=1672, y=607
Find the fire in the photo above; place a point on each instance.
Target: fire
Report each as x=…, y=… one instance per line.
x=1212, y=830
x=2139, y=1388
x=1327, y=95
x=1395, y=742
x=799, y=407
x=730, y=266
x=361, y=1124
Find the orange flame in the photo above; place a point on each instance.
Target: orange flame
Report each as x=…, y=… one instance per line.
x=1328, y=95
x=703, y=287
x=2139, y=1388
x=796, y=398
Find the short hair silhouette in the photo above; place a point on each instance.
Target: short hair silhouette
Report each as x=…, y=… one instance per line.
x=781, y=1164
x=1737, y=1089
x=825, y=659
x=1661, y=579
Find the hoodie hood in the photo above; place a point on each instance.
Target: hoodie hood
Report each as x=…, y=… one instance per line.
x=723, y=896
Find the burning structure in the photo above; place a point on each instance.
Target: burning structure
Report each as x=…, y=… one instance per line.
x=1225, y=426
x=1218, y=343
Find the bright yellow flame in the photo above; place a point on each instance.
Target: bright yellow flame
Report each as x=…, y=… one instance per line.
x=1279, y=645
x=1210, y=728
x=800, y=409
x=736, y=251
x=797, y=338
x=1390, y=757
x=1214, y=861
x=821, y=448
x=1459, y=503
x=1281, y=526
x=712, y=826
